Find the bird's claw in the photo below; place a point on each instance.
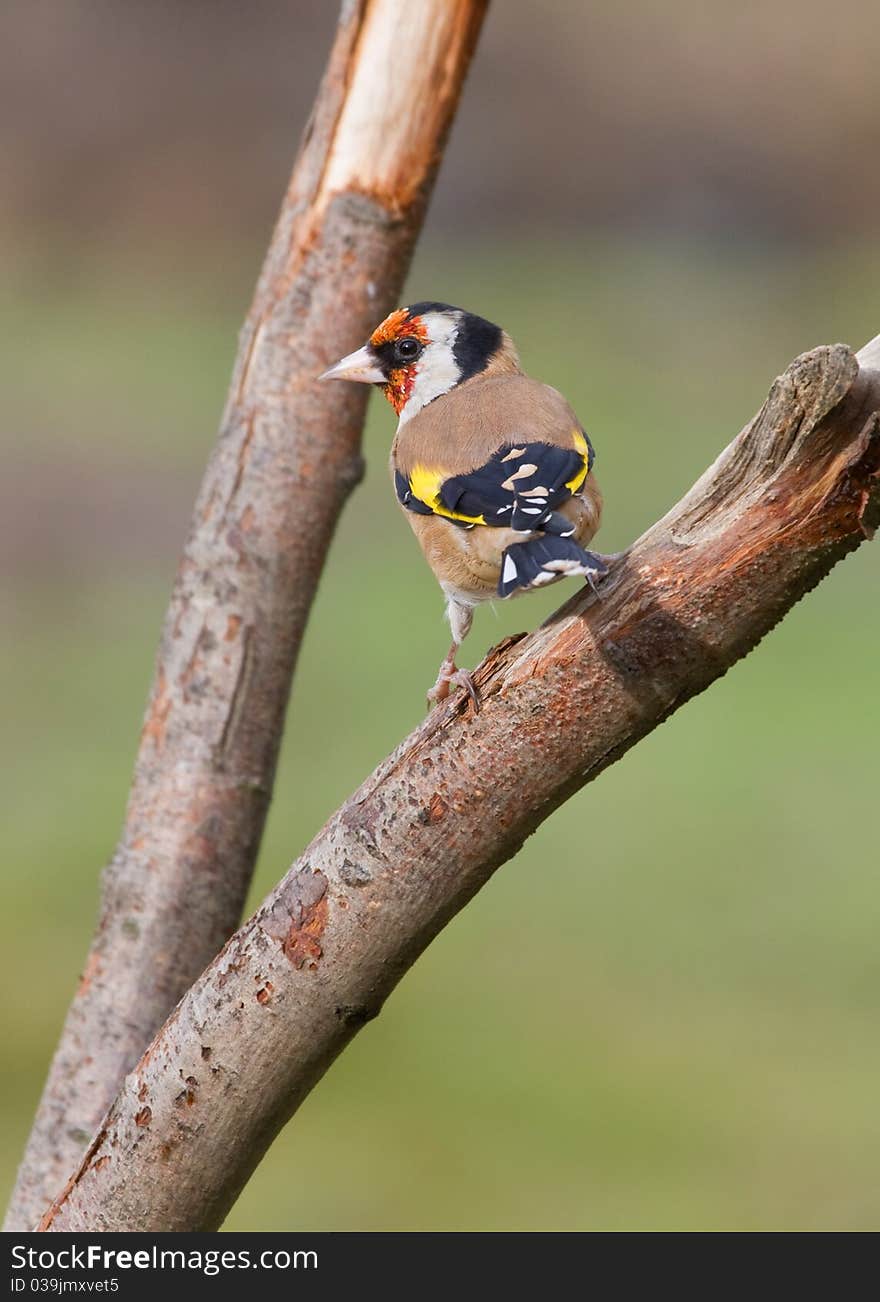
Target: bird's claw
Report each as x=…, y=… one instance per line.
x=596, y=573
x=450, y=677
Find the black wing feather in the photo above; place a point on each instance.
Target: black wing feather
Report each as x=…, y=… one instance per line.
x=507, y=498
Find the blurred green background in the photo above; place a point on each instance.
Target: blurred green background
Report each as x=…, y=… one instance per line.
x=691, y=1045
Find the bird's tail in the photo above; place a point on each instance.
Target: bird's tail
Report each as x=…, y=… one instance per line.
x=544, y=559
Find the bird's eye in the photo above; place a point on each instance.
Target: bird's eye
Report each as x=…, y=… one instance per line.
x=407, y=350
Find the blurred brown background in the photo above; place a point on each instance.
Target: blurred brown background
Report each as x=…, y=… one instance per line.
x=663, y=204
x=131, y=120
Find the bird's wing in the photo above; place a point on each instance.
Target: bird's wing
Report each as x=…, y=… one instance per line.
x=519, y=487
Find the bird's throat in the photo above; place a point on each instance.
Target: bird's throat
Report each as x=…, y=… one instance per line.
x=399, y=387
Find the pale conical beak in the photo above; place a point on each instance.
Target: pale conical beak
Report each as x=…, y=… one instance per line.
x=359, y=366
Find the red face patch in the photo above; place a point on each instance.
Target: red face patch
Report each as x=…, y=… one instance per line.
x=397, y=325
x=399, y=387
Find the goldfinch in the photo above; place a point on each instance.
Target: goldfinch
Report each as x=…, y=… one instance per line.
x=493, y=469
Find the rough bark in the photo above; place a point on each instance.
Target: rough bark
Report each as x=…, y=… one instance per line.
x=792, y=495
x=287, y=457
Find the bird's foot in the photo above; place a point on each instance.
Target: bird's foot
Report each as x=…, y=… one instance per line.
x=450, y=677
x=596, y=572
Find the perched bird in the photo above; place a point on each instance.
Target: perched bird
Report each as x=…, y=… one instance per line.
x=492, y=468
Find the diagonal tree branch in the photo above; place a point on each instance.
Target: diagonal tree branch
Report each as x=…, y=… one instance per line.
x=286, y=460
x=792, y=495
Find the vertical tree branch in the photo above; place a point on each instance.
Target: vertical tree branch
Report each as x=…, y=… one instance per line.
x=792, y=495
x=286, y=459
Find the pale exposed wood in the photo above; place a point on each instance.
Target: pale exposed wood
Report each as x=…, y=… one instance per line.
x=869, y=356
x=287, y=458
x=792, y=495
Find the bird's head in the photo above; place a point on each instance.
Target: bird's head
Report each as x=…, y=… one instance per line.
x=423, y=351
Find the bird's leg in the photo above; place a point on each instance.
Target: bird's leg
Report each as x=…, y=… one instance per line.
x=460, y=619
x=445, y=675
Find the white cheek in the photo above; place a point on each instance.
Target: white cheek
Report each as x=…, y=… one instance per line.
x=436, y=374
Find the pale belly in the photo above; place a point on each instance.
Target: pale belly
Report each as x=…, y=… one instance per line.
x=467, y=562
